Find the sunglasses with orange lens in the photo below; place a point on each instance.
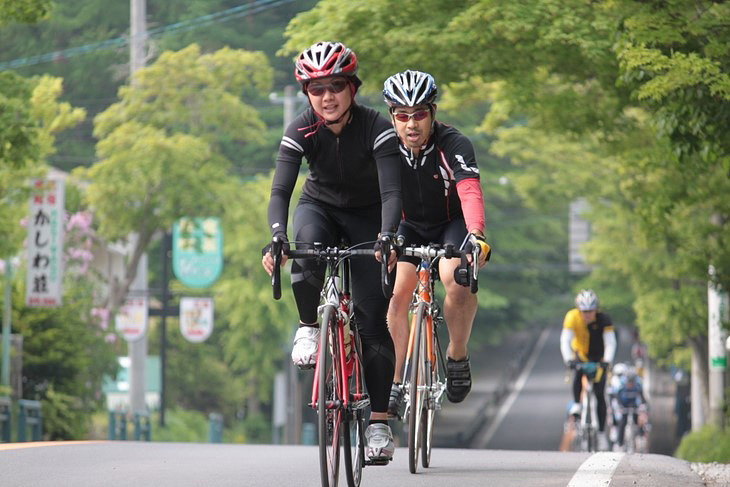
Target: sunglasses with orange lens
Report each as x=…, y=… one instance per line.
x=417, y=116
x=316, y=88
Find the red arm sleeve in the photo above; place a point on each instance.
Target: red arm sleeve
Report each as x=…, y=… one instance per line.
x=472, y=203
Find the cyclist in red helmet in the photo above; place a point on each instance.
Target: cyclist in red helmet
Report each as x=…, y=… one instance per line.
x=352, y=191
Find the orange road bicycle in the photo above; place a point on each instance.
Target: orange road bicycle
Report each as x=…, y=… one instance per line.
x=424, y=371
x=338, y=391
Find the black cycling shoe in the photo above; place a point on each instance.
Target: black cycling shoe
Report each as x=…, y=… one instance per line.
x=396, y=401
x=458, y=379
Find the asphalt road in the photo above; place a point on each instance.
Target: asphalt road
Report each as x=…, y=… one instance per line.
x=122, y=464
x=517, y=439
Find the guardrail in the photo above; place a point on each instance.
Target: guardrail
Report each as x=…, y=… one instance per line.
x=119, y=420
x=5, y=419
x=29, y=417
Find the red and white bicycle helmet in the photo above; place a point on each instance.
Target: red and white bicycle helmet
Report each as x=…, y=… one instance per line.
x=326, y=59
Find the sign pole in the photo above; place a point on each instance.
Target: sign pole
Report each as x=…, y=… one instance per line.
x=163, y=323
x=7, y=313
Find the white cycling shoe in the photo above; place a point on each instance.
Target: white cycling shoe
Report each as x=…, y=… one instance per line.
x=575, y=409
x=306, y=344
x=379, y=443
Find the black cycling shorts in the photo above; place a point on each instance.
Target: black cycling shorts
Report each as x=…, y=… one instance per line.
x=452, y=232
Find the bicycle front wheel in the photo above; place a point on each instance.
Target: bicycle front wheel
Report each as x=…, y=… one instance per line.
x=353, y=432
x=329, y=410
x=432, y=401
x=417, y=389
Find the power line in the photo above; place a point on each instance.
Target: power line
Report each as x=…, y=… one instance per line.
x=222, y=16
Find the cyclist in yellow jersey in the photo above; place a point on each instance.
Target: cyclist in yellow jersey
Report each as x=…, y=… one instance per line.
x=588, y=336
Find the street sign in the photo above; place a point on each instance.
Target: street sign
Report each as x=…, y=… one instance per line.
x=131, y=319
x=196, y=318
x=197, y=251
x=44, y=276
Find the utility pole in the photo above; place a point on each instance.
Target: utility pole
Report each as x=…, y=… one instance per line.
x=137, y=348
x=717, y=304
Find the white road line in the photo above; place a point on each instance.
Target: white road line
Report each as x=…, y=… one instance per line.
x=506, y=405
x=597, y=470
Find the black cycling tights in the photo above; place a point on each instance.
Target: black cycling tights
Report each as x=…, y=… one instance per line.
x=316, y=222
x=598, y=388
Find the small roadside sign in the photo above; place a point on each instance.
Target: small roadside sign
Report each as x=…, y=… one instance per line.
x=196, y=318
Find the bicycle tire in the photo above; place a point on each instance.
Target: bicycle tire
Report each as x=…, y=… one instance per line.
x=431, y=404
x=329, y=413
x=629, y=434
x=353, y=441
x=416, y=392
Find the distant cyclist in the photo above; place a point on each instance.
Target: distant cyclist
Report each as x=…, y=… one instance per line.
x=442, y=203
x=353, y=192
x=588, y=336
x=630, y=394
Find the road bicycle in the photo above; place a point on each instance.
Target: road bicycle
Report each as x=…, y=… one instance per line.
x=424, y=368
x=338, y=391
x=587, y=427
x=635, y=429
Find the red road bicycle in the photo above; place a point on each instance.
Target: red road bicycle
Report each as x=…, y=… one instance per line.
x=338, y=391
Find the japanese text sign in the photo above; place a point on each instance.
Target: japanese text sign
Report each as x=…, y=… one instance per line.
x=45, y=243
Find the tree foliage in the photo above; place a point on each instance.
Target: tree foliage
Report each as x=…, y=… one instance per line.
x=621, y=102
x=163, y=146
x=28, y=11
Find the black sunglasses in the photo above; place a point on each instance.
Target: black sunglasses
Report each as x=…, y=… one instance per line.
x=335, y=86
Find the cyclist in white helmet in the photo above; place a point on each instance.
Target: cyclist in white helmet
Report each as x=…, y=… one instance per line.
x=442, y=203
x=588, y=336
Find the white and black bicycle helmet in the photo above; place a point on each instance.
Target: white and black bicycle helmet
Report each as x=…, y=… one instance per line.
x=586, y=300
x=410, y=89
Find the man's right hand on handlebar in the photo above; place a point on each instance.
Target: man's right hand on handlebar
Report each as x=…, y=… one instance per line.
x=485, y=251
x=267, y=259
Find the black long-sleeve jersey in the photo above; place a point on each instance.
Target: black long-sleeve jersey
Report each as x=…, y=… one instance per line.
x=429, y=180
x=355, y=169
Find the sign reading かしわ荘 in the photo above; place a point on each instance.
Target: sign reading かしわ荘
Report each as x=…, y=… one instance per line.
x=44, y=277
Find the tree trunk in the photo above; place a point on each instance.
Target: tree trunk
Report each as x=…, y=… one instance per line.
x=118, y=290
x=699, y=384
x=252, y=402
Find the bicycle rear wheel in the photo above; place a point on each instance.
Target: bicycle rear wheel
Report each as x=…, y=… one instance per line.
x=329, y=410
x=353, y=440
x=417, y=390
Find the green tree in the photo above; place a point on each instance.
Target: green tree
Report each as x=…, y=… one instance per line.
x=255, y=338
x=28, y=11
x=32, y=119
x=160, y=147
x=621, y=102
